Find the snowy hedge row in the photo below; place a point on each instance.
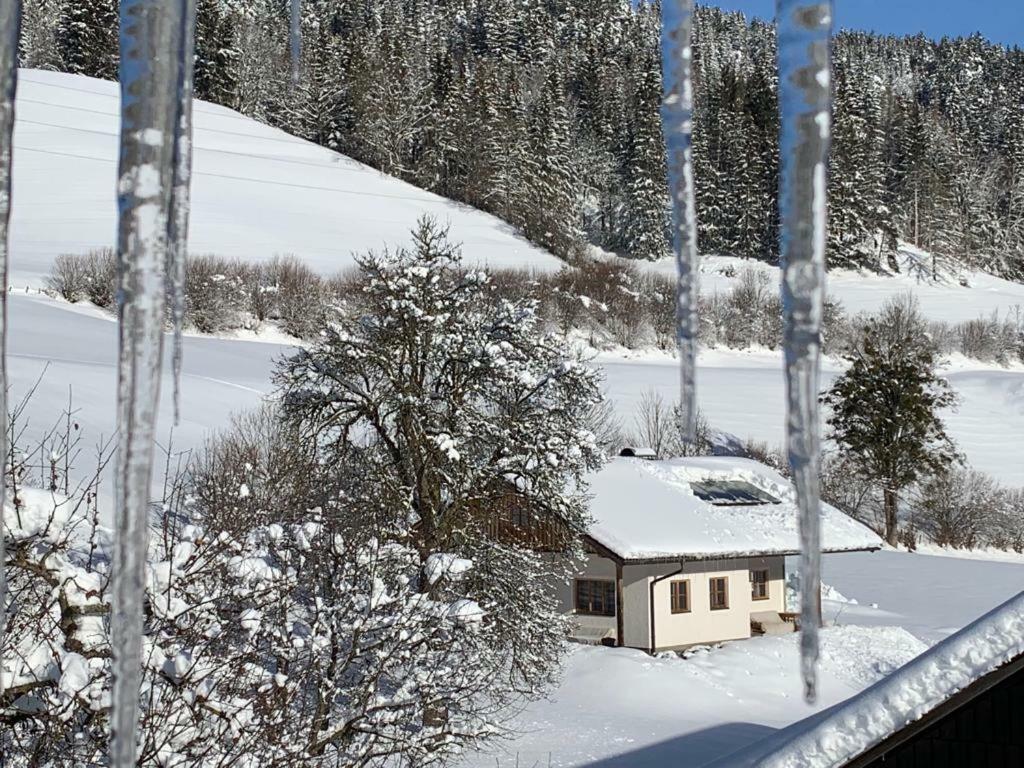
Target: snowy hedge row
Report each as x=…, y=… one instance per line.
x=612, y=303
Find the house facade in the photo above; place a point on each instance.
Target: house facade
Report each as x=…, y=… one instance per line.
x=669, y=606
x=690, y=551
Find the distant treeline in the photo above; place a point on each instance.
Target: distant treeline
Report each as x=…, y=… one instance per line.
x=546, y=113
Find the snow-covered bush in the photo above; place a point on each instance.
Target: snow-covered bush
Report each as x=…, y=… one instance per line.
x=68, y=277
x=300, y=298
x=302, y=644
x=91, y=276
x=215, y=298
x=958, y=508
x=258, y=471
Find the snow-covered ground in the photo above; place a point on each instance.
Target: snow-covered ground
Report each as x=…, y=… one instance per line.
x=618, y=708
x=256, y=191
x=944, y=298
x=742, y=393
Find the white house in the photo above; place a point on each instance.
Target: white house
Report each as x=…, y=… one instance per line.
x=691, y=551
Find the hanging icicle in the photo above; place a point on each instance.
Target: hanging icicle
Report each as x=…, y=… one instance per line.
x=10, y=27
x=804, y=30
x=677, y=118
x=295, y=34
x=149, y=71
x=177, y=230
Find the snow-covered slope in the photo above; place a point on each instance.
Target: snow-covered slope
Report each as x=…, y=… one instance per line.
x=257, y=191
x=743, y=393
x=952, y=295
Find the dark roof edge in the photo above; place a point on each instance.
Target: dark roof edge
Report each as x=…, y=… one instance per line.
x=959, y=699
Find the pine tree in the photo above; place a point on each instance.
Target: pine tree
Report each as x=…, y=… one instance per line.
x=646, y=235
x=885, y=407
x=87, y=37
x=216, y=76
x=551, y=217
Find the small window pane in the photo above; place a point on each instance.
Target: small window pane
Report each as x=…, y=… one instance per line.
x=759, y=584
x=719, y=593
x=680, y=596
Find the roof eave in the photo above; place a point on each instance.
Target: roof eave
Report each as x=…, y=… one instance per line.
x=705, y=556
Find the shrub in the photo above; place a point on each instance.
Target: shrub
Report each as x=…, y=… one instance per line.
x=958, y=508
x=101, y=285
x=91, y=276
x=68, y=277
x=301, y=302
x=215, y=297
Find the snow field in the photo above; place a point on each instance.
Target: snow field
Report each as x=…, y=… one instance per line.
x=257, y=192
x=624, y=709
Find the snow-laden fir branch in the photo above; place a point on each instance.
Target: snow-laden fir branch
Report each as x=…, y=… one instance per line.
x=804, y=30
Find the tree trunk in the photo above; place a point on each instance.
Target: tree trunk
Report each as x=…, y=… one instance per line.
x=891, y=523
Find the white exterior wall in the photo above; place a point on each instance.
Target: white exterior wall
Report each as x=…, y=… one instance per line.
x=700, y=624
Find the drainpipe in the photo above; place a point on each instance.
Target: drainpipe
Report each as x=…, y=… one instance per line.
x=655, y=580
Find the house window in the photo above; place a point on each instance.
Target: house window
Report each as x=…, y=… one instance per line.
x=680, y=596
x=759, y=584
x=719, y=590
x=595, y=597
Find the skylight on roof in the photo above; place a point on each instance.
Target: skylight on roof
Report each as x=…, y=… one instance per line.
x=731, y=493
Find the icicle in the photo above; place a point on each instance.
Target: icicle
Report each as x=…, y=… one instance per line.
x=10, y=27
x=677, y=117
x=804, y=30
x=177, y=230
x=149, y=71
x=295, y=34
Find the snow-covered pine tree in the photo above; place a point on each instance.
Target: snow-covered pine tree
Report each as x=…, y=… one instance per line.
x=380, y=66
x=885, y=409
x=646, y=214
x=216, y=76
x=87, y=37
x=38, y=47
x=551, y=215
x=472, y=426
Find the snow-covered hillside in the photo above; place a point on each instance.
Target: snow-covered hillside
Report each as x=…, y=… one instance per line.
x=257, y=191
x=951, y=294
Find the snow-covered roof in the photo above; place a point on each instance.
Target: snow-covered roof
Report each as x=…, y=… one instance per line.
x=834, y=738
x=647, y=510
